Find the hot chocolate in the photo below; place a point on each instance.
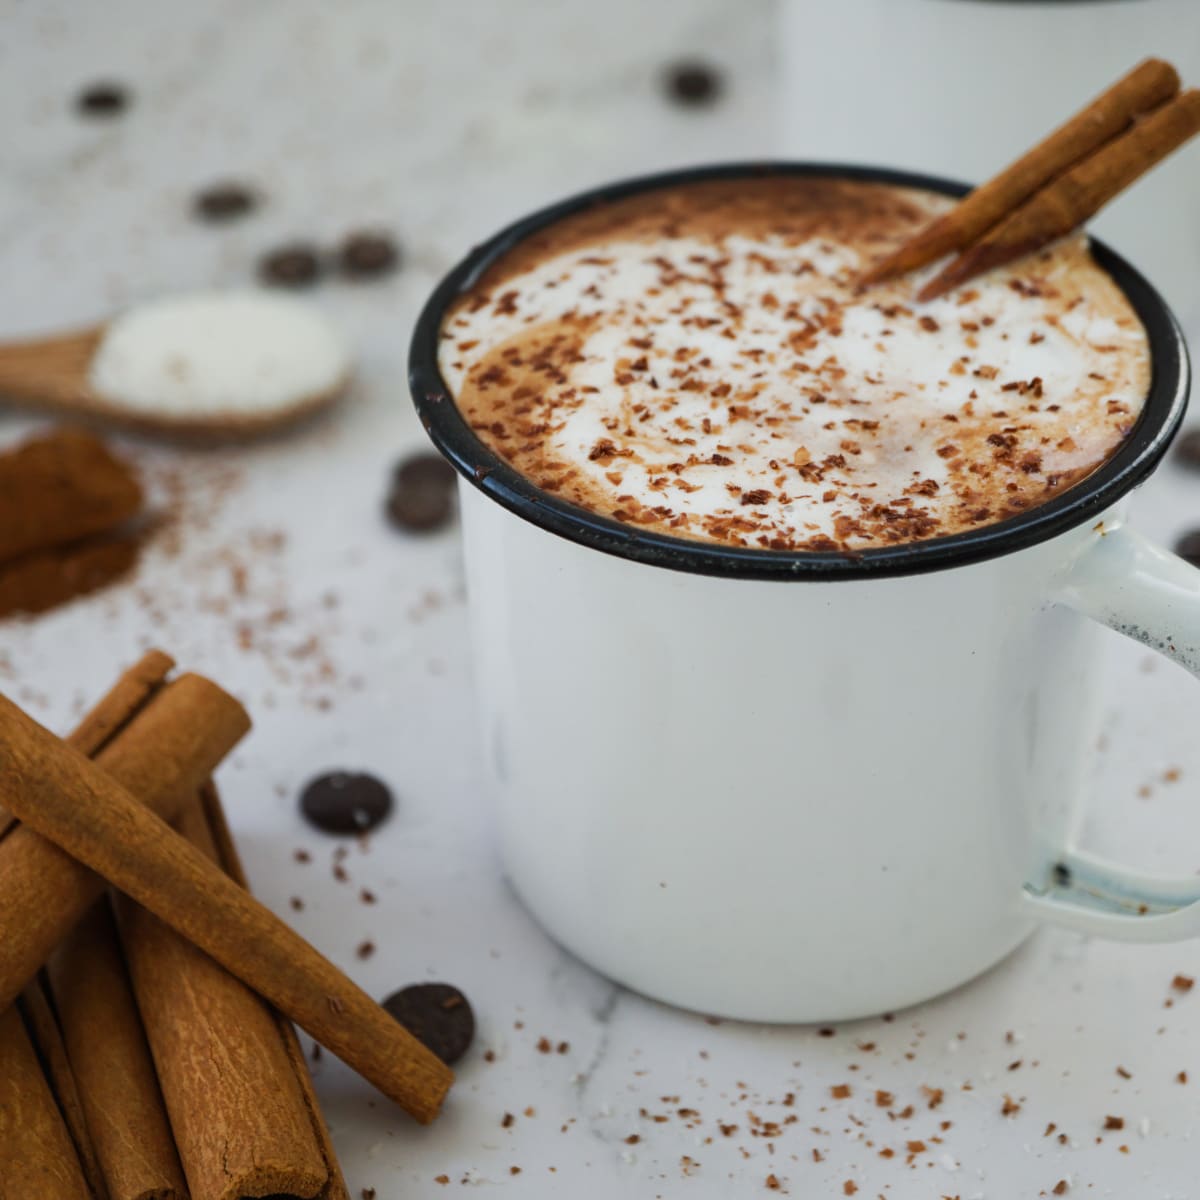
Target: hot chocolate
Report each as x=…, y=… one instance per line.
x=699, y=361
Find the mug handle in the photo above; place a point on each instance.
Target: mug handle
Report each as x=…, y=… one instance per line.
x=1131, y=585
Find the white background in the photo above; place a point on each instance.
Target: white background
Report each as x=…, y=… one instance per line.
x=346, y=638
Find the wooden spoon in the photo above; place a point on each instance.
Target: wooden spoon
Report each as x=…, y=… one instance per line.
x=175, y=348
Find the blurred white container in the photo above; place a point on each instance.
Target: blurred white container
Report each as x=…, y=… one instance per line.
x=961, y=87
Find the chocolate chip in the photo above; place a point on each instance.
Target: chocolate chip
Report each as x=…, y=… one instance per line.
x=421, y=498
x=1188, y=547
x=436, y=1014
x=693, y=83
x=224, y=202
x=367, y=255
x=295, y=265
x=102, y=100
x=1187, y=448
x=345, y=802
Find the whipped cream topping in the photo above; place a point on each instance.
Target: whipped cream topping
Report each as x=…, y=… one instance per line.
x=700, y=362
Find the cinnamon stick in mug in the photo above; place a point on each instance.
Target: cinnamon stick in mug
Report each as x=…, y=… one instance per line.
x=1149, y=84
x=74, y=803
x=1069, y=201
x=244, y=1121
x=163, y=755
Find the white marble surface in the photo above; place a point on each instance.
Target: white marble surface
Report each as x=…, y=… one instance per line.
x=346, y=639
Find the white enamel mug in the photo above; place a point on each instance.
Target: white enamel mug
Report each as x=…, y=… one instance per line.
x=808, y=786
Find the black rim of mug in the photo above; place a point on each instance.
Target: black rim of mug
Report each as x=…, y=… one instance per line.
x=1090, y=499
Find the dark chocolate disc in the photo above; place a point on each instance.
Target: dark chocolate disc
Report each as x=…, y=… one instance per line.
x=692, y=83
x=105, y=99
x=437, y=1015
x=367, y=255
x=345, y=802
x=421, y=498
x=295, y=265
x=224, y=202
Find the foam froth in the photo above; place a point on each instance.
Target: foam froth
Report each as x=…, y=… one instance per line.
x=698, y=361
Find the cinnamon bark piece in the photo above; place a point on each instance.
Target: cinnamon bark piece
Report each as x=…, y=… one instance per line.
x=114, y=1074
x=162, y=756
x=123, y=701
x=113, y=711
x=231, y=861
x=37, y=1155
x=101, y=1029
x=88, y=814
x=241, y=1120
x=46, y=1037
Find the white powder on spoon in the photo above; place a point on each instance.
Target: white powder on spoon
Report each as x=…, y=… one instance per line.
x=219, y=357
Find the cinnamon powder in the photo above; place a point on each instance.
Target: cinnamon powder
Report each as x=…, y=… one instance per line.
x=66, y=510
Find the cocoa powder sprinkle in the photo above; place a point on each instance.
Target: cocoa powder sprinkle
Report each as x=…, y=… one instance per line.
x=670, y=414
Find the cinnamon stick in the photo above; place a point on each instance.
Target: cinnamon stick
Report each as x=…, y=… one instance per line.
x=123, y=701
x=47, y=1040
x=162, y=755
x=130, y=693
x=113, y=1071
x=1149, y=84
x=1078, y=195
x=69, y=800
x=231, y=863
x=241, y=1120
x=114, y=710
x=99, y=726
x=37, y=1155
x=100, y=1028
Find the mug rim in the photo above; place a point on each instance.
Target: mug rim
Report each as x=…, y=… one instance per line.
x=485, y=470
